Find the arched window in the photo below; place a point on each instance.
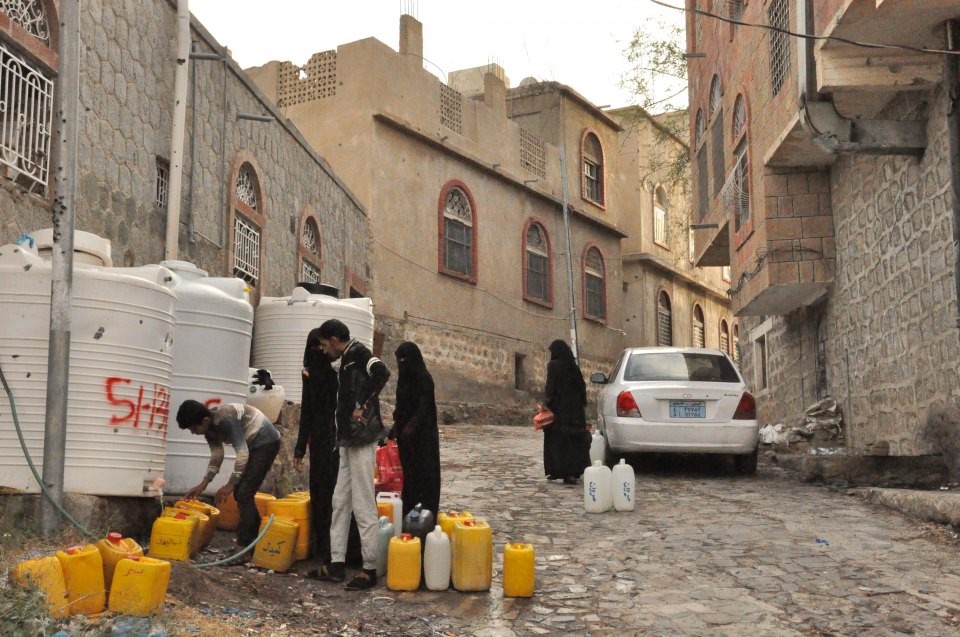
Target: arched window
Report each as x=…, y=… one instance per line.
x=698, y=331
x=592, y=159
x=703, y=176
x=309, y=250
x=716, y=135
x=248, y=224
x=700, y=129
x=741, y=175
x=594, y=285
x=724, y=336
x=537, y=271
x=660, y=210
x=458, y=232
x=664, y=320
x=736, y=343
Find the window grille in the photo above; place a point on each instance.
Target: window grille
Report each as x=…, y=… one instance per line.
x=736, y=344
x=26, y=121
x=724, y=337
x=593, y=274
x=537, y=264
x=31, y=15
x=716, y=154
x=700, y=129
x=778, y=15
x=741, y=186
x=246, y=250
x=735, y=9
x=308, y=272
x=760, y=352
x=310, y=238
x=697, y=25
x=592, y=169
x=703, y=195
x=716, y=95
x=739, y=123
x=533, y=155
x=451, y=109
x=458, y=233
x=246, y=187
x=660, y=216
x=163, y=183
x=664, y=321
x=698, y=331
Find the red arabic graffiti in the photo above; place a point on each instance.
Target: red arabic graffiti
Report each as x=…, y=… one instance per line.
x=150, y=408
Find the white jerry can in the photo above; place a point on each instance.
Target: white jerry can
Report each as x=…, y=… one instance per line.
x=597, y=447
x=597, y=492
x=436, y=560
x=624, y=486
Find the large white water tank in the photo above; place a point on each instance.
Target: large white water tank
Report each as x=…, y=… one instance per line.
x=211, y=356
x=121, y=361
x=281, y=326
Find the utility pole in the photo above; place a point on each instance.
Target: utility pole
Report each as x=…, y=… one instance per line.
x=180, y=80
x=61, y=283
x=566, y=232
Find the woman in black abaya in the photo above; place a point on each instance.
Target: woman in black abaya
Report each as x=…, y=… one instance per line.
x=415, y=428
x=566, y=444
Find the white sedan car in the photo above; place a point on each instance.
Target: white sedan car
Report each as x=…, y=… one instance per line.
x=678, y=400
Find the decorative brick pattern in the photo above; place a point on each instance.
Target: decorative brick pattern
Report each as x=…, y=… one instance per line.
x=451, y=109
x=315, y=80
x=533, y=156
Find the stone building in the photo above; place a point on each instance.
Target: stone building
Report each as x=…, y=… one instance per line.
x=826, y=175
x=465, y=183
x=667, y=299
x=257, y=201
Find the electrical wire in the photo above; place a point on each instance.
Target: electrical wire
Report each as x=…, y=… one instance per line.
x=831, y=38
x=33, y=468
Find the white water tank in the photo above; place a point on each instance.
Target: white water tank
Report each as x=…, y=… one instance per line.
x=211, y=354
x=88, y=248
x=121, y=362
x=281, y=326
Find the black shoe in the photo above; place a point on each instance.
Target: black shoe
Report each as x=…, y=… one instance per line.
x=365, y=579
x=569, y=480
x=333, y=572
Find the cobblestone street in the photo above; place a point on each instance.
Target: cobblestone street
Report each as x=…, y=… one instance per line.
x=704, y=553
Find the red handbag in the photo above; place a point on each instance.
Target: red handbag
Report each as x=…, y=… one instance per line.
x=543, y=417
x=389, y=470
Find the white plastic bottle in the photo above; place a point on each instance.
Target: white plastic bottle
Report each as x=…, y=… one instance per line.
x=394, y=498
x=597, y=491
x=624, y=486
x=436, y=560
x=597, y=445
x=384, y=533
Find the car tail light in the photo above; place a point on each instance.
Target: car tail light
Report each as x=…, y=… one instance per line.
x=747, y=409
x=627, y=406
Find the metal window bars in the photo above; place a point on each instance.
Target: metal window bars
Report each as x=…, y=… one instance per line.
x=26, y=122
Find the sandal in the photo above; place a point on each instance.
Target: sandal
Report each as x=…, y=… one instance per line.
x=333, y=572
x=365, y=579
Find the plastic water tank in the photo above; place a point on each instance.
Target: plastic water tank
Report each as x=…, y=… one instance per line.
x=211, y=353
x=281, y=326
x=119, y=384
x=88, y=248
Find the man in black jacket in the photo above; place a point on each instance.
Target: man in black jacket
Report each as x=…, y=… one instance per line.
x=359, y=426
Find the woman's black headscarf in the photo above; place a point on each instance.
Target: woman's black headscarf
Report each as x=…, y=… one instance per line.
x=560, y=351
x=314, y=360
x=411, y=370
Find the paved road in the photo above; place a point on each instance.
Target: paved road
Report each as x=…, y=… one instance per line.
x=704, y=553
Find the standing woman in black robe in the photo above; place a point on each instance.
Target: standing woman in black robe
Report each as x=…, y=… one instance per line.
x=318, y=431
x=415, y=428
x=566, y=446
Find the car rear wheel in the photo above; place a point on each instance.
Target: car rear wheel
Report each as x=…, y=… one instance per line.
x=609, y=457
x=746, y=464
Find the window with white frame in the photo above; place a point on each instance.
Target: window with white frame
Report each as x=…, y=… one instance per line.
x=537, y=267
x=310, y=251
x=594, y=284
x=592, y=158
x=741, y=175
x=458, y=234
x=698, y=327
x=660, y=209
x=26, y=121
x=246, y=250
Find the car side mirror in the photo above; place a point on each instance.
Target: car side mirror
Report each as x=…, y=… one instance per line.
x=599, y=378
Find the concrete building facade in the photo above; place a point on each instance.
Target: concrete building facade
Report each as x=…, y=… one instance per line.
x=829, y=172
x=257, y=201
x=465, y=184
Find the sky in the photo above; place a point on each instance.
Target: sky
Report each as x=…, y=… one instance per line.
x=579, y=43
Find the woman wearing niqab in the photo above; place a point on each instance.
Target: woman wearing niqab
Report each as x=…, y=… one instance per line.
x=415, y=428
x=566, y=446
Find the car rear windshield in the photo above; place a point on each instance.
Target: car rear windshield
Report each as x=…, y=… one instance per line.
x=680, y=366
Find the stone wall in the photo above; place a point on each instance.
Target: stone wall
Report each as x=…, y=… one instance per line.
x=889, y=324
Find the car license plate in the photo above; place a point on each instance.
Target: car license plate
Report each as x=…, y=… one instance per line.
x=688, y=409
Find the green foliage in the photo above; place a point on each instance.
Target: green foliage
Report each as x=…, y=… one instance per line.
x=658, y=73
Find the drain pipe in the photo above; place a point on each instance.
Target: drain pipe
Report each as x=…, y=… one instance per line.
x=179, y=125
x=951, y=86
